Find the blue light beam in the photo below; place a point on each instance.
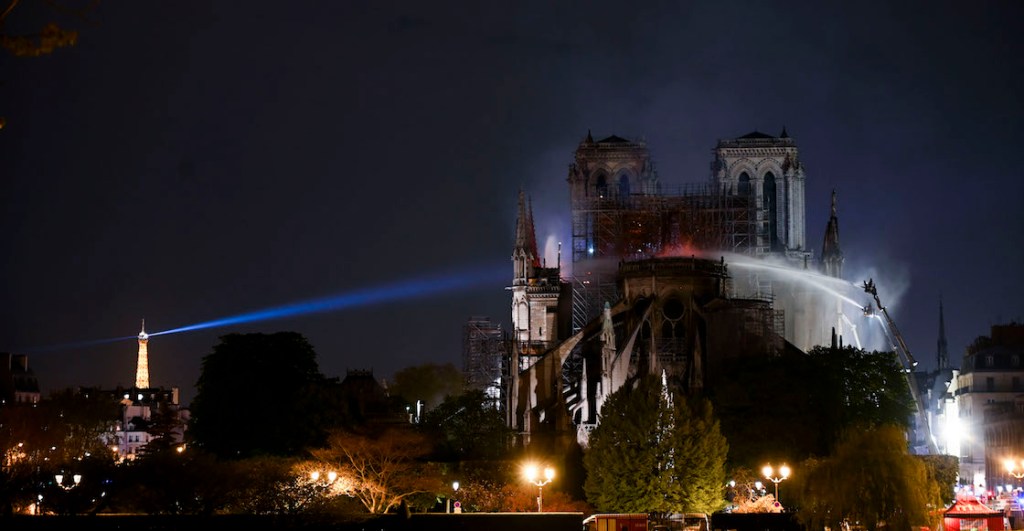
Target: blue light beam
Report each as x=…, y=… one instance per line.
x=374, y=295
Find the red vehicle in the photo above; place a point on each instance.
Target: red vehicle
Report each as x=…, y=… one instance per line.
x=616, y=522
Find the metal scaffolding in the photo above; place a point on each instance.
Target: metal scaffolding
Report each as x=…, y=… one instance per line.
x=484, y=353
x=609, y=229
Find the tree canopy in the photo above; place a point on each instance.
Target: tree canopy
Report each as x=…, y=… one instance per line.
x=468, y=427
x=655, y=451
x=260, y=394
x=430, y=382
x=379, y=469
x=795, y=406
x=871, y=479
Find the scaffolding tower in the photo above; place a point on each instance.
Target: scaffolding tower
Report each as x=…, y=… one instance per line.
x=607, y=229
x=484, y=349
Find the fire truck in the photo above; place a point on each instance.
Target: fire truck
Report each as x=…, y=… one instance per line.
x=641, y=522
x=616, y=522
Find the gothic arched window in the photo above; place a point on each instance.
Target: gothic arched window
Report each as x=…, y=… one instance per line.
x=744, y=186
x=770, y=206
x=623, y=186
x=602, y=186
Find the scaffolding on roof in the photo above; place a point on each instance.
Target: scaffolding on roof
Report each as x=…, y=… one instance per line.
x=610, y=228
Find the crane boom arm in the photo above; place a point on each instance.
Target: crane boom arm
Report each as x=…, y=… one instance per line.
x=901, y=347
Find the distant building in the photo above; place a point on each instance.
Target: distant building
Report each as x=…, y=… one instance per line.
x=145, y=410
x=135, y=427
x=365, y=400
x=937, y=388
x=18, y=384
x=990, y=398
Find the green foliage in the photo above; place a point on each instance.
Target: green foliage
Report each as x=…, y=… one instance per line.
x=468, y=427
x=871, y=479
x=945, y=470
x=655, y=456
x=796, y=406
x=862, y=388
x=248, y=385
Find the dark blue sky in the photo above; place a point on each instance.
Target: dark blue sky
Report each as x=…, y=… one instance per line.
x=187, y=161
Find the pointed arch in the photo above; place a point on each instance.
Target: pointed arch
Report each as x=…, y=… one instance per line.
x=743, y=188
x=624, y=186
x=601, y=185
x=769, y=202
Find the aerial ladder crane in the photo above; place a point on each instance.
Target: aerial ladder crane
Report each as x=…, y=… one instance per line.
x=900, y=346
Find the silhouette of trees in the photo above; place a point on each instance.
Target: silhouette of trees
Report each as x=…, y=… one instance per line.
x=467, y=427
x=429, y=382
x=795, y=406
x=261, y=394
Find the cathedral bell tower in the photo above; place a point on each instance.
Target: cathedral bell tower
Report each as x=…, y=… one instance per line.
x=768, y=169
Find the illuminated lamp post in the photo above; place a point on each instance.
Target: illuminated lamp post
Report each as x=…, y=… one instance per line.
x=1015, y=467
x=448, y=504
x=532, y=474
x=331, y=476
x=769, y=474
x=76, y=479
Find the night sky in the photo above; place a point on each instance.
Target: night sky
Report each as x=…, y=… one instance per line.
x=188, y=161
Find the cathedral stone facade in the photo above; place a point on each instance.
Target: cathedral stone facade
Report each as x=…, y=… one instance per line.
x=651, y=290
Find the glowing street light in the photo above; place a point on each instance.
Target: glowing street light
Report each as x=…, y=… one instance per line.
x=77, y=478
x=1015, y=467
x=331, y=476
x=769, y=474
x=532, y=474
x=448, y=504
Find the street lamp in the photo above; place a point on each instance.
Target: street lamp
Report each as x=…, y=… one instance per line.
x=77, y=478
x=448, y=504
x=1015, y=467
x=532, y=474
x=769, y=474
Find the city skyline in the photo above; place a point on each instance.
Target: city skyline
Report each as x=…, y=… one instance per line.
x=185, y=164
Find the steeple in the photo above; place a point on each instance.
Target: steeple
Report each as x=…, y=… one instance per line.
x=942, y=350
x=525, y=256
x=831, y=255
x=142, y=369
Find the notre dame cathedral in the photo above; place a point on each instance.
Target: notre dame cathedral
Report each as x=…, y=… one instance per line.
x=683, y=283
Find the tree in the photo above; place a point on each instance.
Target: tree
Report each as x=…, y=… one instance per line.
x=43, y=40
x=805, y=402
x=379, y=469
x=655, y=452
x=429, y=382
x=872, y=479
x=945, y=470
x=171, y=482
x=59, y=435
x=248, y=385
x=468, y=427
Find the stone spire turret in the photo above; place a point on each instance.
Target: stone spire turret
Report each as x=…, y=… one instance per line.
x=525, y=255
x=942, y=349
x=831, y=254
